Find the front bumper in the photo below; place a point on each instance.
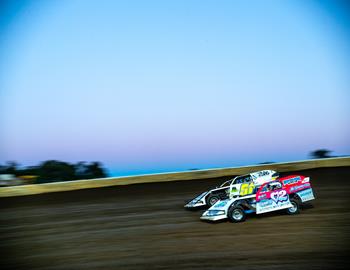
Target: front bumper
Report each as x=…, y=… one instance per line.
x=199, y=201
x=213, y=218
x=194, y=205
x=214, y=215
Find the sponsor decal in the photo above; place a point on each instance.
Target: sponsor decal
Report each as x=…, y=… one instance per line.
x=278, y=200
x=299, y=187
x=262, y=196
x=271, y=205
x=265, y=203
x=279, y=196
x=259, y=174
x=306, y=180
x=291, y=180
x=305, y=192
x=306, y=195
x=263, y=173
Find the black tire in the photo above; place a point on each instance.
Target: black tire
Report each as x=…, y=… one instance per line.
x=212, y=199
x=296, y=207
x=236, y=214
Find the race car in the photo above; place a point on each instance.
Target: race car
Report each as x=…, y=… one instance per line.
x=285, y=193
x=238, y=186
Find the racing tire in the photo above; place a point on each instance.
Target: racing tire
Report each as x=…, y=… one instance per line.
x=295, y=209
x=212, y=199
x=236, y=214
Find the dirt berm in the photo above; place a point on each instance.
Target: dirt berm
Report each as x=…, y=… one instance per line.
x=145, y=226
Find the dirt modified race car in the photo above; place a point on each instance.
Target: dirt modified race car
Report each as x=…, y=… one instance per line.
x=239, y=186
x=285, y=193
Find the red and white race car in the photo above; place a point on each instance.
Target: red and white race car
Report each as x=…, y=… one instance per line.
x=284, y=193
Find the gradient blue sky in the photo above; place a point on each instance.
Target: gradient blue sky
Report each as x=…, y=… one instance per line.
x=154, y=86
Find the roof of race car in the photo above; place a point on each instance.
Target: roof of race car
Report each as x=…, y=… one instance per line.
x=255, y=175
x=262, y=173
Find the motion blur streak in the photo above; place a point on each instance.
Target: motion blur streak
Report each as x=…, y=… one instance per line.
x=145, y=227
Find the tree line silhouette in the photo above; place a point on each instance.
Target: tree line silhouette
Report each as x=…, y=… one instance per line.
x=54, y=170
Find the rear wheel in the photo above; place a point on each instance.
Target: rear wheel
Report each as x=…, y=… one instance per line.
x=236, y=214
x=212, y=199
x=295, y=209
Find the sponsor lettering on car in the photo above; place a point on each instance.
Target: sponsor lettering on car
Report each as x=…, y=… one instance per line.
x=291, y=181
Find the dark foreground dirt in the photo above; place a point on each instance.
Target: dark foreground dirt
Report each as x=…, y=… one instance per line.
x=144, y=226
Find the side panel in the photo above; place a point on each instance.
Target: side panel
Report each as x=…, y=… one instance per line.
x=295, y=183
x=272, y=200
x=299, y=185
x=306, y=195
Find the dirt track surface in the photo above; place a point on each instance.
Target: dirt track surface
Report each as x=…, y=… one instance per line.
x=144, y=226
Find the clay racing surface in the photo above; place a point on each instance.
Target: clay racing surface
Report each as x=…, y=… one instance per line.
x=145, y=226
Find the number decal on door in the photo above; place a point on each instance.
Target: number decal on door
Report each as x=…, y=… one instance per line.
x=246, y=189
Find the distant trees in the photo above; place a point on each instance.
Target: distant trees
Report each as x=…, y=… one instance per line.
x=9, y=168
x=320, y=153
x=84, y=170
x=54, y=170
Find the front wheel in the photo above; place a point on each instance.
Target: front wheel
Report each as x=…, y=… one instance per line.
x=236, y=214
x=295, y=209
x=212, y=199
